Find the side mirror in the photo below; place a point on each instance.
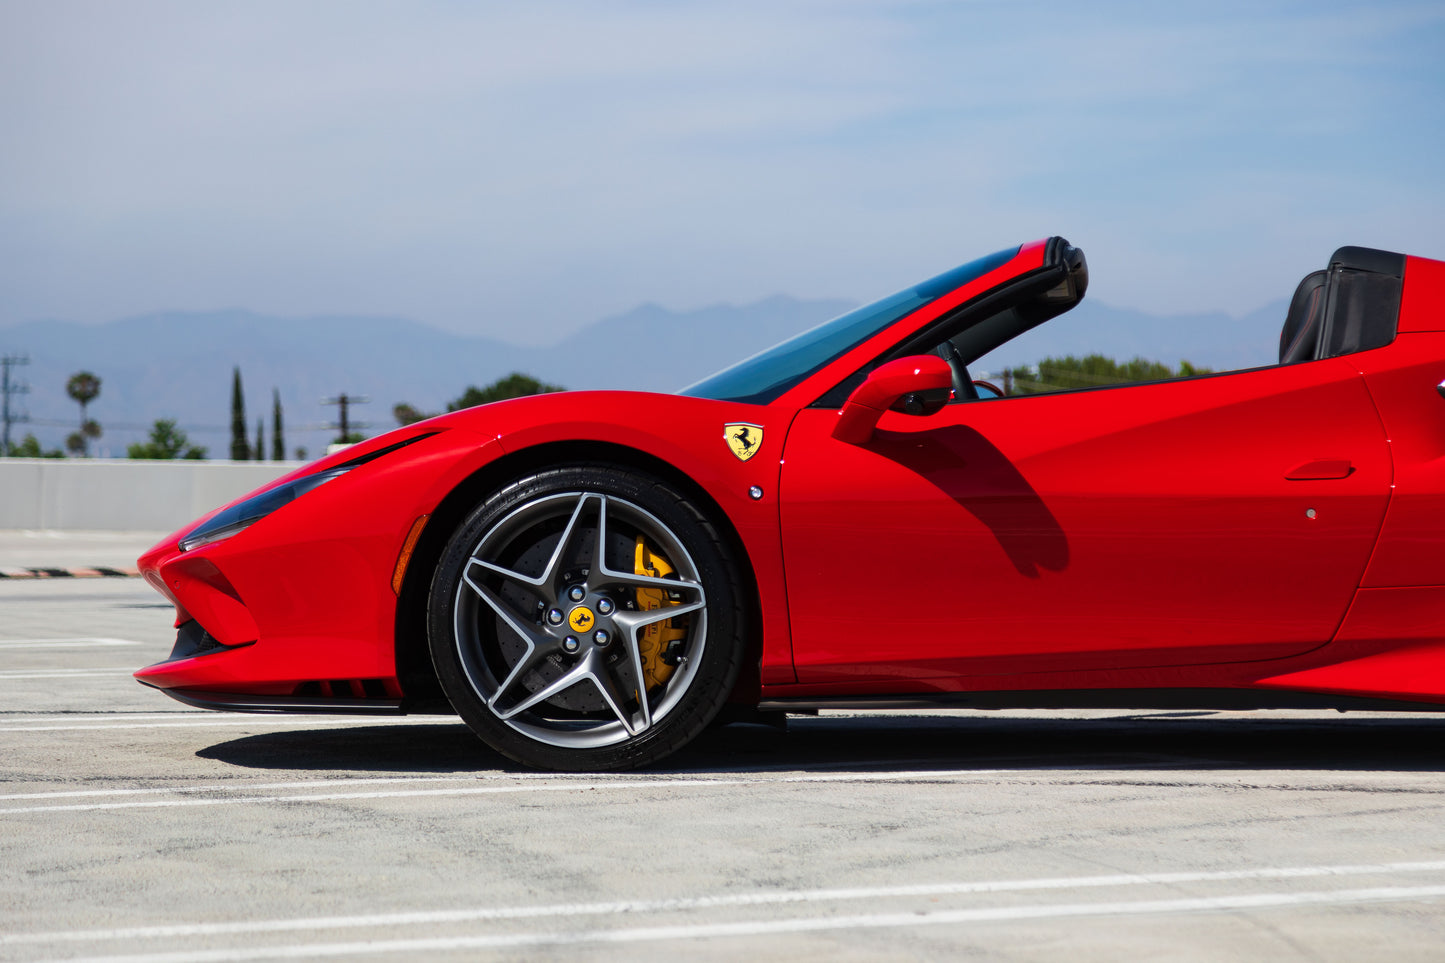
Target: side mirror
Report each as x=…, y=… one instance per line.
x=916, y=385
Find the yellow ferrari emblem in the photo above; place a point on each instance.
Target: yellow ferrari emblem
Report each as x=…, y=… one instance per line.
x=743, y=439
x=581, y=619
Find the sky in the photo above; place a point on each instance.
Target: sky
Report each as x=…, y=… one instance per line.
x=519, y=170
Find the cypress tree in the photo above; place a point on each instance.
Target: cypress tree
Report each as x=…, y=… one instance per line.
x=259, y=452
x=278, y=441
x=240, y=450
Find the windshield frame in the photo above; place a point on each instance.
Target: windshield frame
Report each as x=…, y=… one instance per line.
x=768, y=375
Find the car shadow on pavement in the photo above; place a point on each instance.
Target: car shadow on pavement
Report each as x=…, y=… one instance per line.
x=909, y=742
x=444, y=747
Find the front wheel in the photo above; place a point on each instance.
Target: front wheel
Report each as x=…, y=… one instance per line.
x=586, y=618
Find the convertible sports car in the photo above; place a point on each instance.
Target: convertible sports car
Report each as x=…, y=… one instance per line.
x=846, y=520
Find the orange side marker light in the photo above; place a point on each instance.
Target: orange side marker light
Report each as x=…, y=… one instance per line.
x=407, y=547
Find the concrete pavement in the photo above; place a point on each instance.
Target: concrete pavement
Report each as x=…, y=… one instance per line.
x=23, y=551
x=135, y=827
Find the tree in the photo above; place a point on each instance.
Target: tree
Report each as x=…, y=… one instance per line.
x=240, y=449
x=83, y=388
x=259, y=452
x=514, y=385
x=278, y=441
x=406, y=414
x=1090, y=371
x=30, y=448
x=166, y=442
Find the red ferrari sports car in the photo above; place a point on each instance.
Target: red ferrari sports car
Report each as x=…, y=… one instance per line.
x=846, y=520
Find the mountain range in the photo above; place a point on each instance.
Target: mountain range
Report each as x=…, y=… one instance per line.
x=179, y=364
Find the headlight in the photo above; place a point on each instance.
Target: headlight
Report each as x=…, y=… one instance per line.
x=252, y=510
x=242, y=516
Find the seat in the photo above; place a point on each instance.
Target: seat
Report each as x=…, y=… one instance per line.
x=1299, y=339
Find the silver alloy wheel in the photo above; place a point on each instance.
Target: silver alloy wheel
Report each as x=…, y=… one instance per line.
x=578, y=683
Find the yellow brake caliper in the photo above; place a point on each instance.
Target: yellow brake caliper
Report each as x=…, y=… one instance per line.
x=655, y=637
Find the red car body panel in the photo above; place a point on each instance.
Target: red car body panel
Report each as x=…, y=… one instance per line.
x=306, y=592
x=1271, y=529
x=336, y=620
x=687, y=434
x=1408, y=551
x=1073, y=531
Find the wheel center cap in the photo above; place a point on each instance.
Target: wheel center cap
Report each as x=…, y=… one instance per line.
x=581, y=619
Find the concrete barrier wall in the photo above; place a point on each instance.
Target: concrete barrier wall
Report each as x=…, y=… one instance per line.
x=122, y=495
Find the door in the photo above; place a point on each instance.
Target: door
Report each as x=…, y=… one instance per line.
x=1211, y=519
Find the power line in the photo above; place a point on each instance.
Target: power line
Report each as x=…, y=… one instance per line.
x=345, y=401
x=147, y=426
x=7, y=388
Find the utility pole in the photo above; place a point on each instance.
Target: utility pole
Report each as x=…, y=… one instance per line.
x=345, y=401
x=8, y=388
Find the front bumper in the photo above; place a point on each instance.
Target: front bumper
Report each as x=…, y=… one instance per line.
x=297, y=611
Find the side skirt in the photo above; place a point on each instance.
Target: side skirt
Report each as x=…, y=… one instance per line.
x=1102, y=699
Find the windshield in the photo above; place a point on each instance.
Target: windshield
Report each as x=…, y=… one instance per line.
x=766, y=375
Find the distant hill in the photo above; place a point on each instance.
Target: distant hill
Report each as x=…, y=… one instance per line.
x=178, y=364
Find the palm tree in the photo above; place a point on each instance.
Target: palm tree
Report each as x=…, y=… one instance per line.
x=83, y=388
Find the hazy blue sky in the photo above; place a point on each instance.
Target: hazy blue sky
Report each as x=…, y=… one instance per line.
x=520, y=169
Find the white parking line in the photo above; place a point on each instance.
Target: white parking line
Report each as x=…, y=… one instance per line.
x=557, y=783
x=103, y=716
x=396, y=794
x=211, y=715
x=511, y=777
x=695, y=931
x=683, y=904
x=294, y=720
x=723, y=778
x=92, y=793
x=15, y=674
x=62, y=643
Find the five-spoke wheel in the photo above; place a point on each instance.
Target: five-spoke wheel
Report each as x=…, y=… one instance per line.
x=586, y=618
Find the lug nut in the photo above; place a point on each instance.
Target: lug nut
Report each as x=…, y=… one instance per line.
x=554, y=616
x=604, y=606
x=576, y=593
x=570, y=643
x=601, y=637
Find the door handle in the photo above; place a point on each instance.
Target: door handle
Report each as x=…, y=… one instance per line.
x=1319, y=470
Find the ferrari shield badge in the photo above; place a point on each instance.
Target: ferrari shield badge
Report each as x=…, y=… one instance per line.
x=744, y=440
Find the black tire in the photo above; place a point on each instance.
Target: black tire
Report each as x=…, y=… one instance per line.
x=562, y=663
